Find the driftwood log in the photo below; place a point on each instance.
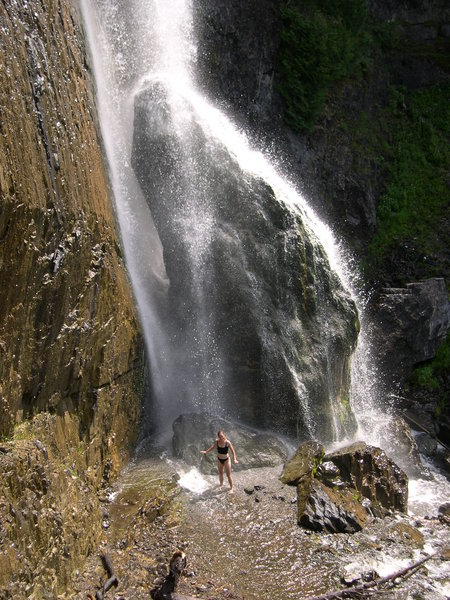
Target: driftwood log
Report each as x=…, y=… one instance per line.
x=112, y=580
x=358, y=590
x=166, y=590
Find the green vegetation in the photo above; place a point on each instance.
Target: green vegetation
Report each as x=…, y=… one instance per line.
x=322, y=41
x=403, y=140
x=433, y=376
x=428, y=376
x=417, y=162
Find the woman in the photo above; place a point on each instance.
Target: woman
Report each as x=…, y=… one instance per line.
x=223, y=460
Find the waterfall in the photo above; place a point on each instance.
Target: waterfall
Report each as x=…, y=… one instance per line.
x=209, y=254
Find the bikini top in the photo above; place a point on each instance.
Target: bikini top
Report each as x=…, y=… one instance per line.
x=223, y=450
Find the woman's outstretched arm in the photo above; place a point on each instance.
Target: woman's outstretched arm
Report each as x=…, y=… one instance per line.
x=209, y=449
x=232, y=450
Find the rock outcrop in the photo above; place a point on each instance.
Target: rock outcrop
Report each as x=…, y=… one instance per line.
x=71, y=351
x=345, y=180
x=373, y=474
x=238, y=43
x=262, y=325
x=303, y=464
x=410, y=324
x=337, y=492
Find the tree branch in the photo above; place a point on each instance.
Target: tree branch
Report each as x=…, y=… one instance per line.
x=355, y=592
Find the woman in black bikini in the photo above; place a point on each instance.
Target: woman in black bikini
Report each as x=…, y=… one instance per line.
x=223, y=460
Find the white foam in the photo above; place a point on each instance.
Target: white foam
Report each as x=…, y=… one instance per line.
x=193, y=481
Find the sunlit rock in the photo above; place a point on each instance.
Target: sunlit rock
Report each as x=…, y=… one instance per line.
x=71, y=351
x=321, y=508
x=373, y=474
x=303, y=464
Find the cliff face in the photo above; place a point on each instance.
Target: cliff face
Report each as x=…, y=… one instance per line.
x=71, y=352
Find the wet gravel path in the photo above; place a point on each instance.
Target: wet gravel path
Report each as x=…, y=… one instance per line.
x=247, y=545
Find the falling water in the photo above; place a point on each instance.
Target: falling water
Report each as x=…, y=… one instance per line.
x=132, y=44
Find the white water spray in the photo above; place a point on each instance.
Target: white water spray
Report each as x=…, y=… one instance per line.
x=133, y=42
x=138, y=41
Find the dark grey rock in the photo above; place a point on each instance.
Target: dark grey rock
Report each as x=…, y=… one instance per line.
x=426, y=444
x=323, y=509
x=238, y=43
x=411, y=323
x=375, y=476
x=194, y=432
x=444, y=512
x=260, y=323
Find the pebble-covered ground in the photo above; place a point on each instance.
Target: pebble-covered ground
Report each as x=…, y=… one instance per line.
x=247, y=545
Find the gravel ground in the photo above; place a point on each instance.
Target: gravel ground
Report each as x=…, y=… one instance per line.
x=247, y=545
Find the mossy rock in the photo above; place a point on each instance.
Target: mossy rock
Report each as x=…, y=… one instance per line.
x=303, y=464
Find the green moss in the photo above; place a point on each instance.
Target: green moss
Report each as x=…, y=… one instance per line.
x=428, y=376
x=432, y=378
x=417, y=162
x=321, y=42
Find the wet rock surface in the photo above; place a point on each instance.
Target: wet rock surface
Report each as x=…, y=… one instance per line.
x=194, y=432
x=306, y=459
x=374, y=475
x=411, y=323
x=248, y=545
x=336, y=492
x=321, y=508
x=261, y=323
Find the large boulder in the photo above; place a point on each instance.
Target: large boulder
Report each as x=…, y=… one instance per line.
x=261, y=325
x=333, y=510
x=373, y=474
x=303, y=464
x=337, y=492
x=197, y=431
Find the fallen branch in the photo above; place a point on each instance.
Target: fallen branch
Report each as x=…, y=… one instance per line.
x=100, y=595
x=176, y=567
x=355, y=592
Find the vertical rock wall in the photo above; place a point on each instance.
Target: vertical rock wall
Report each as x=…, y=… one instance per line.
x=71, y=352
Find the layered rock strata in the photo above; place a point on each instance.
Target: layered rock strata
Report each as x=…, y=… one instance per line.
x=337, y=492
x=70, y=345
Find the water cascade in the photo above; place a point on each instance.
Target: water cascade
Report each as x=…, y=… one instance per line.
x=242, y=291
x=246, y=304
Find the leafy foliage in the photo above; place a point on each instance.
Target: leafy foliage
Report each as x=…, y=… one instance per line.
x=418, y=161
x=434, y=377
x=322, y=41
x=427, y=376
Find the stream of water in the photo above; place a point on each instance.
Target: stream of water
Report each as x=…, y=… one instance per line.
x=134, y=42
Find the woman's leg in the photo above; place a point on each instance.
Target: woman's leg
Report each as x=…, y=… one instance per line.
x=220, y=467
x=228, y=472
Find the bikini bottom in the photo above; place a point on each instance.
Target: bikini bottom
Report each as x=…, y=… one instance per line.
x=223, y=460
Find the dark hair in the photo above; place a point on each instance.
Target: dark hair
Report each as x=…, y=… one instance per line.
x=221, y=431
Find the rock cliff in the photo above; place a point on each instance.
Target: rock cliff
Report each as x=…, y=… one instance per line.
x=71, y=352
x=375, y=160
